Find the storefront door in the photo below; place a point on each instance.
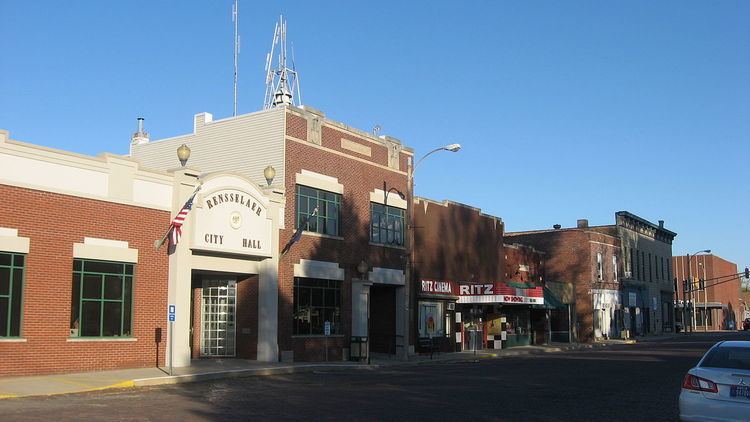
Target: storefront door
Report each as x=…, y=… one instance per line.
x=218, y=318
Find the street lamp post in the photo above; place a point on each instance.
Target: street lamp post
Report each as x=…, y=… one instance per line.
x=690, y=284
x=408, y=317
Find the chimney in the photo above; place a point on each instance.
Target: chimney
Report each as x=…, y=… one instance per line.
x=582, y=223
x=661, y=224
x=140, y=137
x=557, y=227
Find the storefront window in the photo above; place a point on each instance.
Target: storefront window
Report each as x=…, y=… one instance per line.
x=315, y=302
x=11, y=291
x=431, y=319
x=102, y=299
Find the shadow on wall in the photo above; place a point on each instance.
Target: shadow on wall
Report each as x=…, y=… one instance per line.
x=568, y=260
x=348, y=253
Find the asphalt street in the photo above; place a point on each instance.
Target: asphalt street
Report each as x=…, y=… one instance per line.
x=638, y=382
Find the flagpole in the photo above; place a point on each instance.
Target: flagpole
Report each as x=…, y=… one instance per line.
x=158, y=243
x=297, y=233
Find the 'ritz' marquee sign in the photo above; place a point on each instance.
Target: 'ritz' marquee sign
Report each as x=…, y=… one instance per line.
x=497, y=292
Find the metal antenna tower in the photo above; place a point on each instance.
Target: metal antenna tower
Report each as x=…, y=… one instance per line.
x=282, y=83
x=236, y=20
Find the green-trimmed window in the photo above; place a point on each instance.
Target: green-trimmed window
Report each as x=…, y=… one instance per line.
x=315, y=302
x=11, y=293
x=102, y=299
x=386, y=224
x=326, y=221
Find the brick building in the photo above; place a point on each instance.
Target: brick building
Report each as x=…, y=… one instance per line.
x=719, y=305
x=81, y=286
x=587, y=260
x=454, y=244
x=471, y=290
x=346, y=188
x=621, y=274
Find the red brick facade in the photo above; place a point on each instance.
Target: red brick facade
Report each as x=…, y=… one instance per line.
x=359, y=178
x=572, y=258
x=54, y=222
x=722, y=291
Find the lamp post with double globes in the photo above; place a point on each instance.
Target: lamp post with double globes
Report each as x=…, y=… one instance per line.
x=409, y=314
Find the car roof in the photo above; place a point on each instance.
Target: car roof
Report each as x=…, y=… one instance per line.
x=734, y=343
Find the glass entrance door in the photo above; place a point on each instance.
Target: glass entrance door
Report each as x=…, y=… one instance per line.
x=218, y=318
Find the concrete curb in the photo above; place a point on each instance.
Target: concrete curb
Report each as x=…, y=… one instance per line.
x=241, y=373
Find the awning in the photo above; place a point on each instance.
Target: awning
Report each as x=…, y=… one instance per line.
x=551, y=301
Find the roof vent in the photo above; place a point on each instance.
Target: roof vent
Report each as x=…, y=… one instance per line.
x=661, y=224
x=141, y=136
x=557, y=227
x=582, y=223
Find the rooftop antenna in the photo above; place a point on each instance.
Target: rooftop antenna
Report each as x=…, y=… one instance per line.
x=282, y=83
x=236, y=20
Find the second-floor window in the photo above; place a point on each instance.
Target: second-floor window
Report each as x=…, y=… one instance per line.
x=614, y=267
x=326, y=220
x=386, y=224
x=599, y=266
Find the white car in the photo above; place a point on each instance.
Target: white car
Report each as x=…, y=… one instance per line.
x=718, y=388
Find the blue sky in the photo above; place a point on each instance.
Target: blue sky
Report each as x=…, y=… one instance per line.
x=565, y=110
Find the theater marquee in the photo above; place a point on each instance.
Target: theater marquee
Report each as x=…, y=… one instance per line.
x=499, y=292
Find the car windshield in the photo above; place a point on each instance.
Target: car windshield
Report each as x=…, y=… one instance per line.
x=728, y=357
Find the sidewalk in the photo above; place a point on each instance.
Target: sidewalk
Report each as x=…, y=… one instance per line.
x=200, y=370
x=210, y=369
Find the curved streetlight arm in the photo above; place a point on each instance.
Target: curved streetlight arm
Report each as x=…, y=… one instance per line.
x=451, y=148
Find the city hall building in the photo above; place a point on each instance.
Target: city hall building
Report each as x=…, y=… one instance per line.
x=83, y=287
x=342, y=186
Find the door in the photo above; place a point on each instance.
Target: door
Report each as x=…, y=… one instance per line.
x=218, y=318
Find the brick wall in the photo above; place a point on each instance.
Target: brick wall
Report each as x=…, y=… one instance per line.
x=571, y=258
x=54, y=222
x=458, y=243
x=359, y=179
x=724, y=290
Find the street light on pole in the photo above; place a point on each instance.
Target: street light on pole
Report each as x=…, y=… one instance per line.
x=410, y=238
x=690, y=284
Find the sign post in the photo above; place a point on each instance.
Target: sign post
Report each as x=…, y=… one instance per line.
x=171, y=315
x=327, y=332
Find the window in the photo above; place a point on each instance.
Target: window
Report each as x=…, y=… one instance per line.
x=386, y=224
x=727, y=357
x=431, y=319
x=11, y=292
x=643, y=266
x=599, y=266
x=614, y=267
x=102, y=299
x=637, y=265
x=662, y=269
x=628, y=256
x=326, y=220
x=316, y=301
x=650, y=273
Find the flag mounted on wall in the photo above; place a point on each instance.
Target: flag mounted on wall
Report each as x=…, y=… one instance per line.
x=298, y=234
x=174, y=232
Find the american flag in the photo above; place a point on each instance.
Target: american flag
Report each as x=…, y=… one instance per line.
x=175, y=229
x=298, y=234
